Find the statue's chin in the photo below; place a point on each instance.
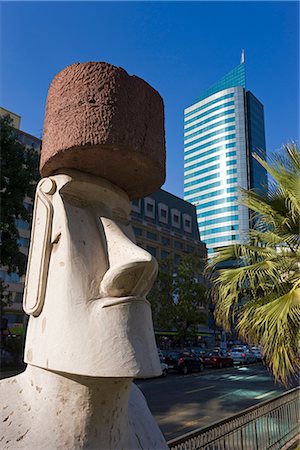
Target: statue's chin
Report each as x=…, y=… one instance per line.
x=109, y=338
x=128, y=343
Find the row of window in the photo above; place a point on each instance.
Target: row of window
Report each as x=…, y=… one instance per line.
x=209, y=135
x=220, y=230
x=203, y=122
x=200, y=108
x=209, y=160
x=213, y=142
x=198, y=173
x=208, y=152
x=218, y=211
x=23, y=242
x=231, y=163
x=202, y=180
x=162, y=254
x=10, y=278
x=206, y=223
x=206, y=187
x=234, y=237
x=22, y=224
x=231, y=171
x=165, y=215
x=211, y=110
x=218, y=202
x=216, y=193
x=206, y=170
x=155, y=237
x=209, y=127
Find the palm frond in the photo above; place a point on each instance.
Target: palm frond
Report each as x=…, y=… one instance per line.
x=256, y=285
x=275, y=326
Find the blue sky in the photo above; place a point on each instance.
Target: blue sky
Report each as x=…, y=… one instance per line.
x=180, y=48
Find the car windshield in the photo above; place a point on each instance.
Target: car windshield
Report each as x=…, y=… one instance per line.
x=212, y=353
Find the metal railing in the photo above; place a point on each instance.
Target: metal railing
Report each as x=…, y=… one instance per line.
x=269, y=425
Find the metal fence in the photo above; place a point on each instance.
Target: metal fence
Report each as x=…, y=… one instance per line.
x=269, y=425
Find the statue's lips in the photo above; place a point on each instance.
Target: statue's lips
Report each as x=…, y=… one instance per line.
x=115, y=301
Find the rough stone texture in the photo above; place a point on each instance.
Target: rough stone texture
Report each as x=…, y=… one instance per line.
x=102, y=121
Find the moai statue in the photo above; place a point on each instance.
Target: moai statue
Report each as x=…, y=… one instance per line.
x=90, y=330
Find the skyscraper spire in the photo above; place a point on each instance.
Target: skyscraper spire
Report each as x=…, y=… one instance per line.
x=243, y=57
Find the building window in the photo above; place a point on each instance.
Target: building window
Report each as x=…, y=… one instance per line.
x=18, y=297
x=178, y=245
x=149, y=207
x=137, y=231
x=164, y=254
x=151, y=250
x=189, y=249
x=176, y=259
x=23, y=242
x=29, y=207
x=165, y=240
x=175, y=218
x=163, y=213
x=136, y=206
x=151, y=236
x=13, y=277
x=187, y=223
x=22, y=224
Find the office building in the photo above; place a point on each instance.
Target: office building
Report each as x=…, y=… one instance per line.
x=222, y=130
x=14, y=282
x=166, y=226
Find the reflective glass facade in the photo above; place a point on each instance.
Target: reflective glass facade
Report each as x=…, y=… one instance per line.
x=221, y=131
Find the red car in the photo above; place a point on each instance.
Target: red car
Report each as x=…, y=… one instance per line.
x=217, y=358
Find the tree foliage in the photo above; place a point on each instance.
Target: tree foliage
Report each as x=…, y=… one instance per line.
x=260, y=292
x=177, y=297
x=19, y=174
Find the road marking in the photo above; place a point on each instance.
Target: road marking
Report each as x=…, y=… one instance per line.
x=266, y=394
x=200, y=389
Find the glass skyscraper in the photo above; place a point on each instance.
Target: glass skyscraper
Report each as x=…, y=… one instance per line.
x=222, y=130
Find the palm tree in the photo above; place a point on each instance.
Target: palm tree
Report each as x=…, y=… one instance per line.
x=258, y=288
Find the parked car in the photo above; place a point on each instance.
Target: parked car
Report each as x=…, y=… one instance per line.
x=171, y=359
x=198, y=351
x=257, y=352
x=242, y=355
x=184, y=362
x=164, y=368
x=217, y=358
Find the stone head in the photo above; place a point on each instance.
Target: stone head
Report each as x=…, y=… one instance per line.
x=87, y=280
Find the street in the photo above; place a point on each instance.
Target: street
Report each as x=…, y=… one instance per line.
x=183, y=403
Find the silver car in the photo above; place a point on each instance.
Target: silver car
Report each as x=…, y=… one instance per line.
x=242, y=355
x=257, y=352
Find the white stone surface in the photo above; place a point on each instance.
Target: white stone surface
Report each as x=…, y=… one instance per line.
x=90, y=329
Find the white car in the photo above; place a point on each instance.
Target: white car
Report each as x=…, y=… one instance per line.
x=257, y=352
x=242, y=355
x=164, y=368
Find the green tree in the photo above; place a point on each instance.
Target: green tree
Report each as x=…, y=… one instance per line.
x=161, y=296
x=19, y=174
x=259, y=290
x=177, y=297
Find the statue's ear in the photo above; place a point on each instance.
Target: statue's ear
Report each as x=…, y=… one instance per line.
x=40, y=248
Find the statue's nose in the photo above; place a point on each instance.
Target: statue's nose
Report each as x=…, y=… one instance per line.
x=132, y=270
